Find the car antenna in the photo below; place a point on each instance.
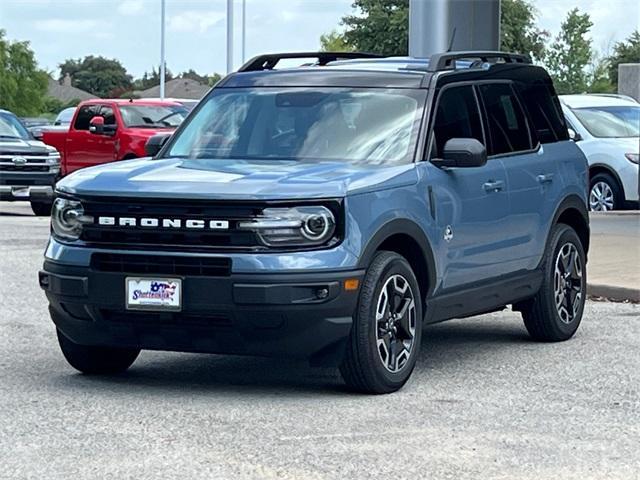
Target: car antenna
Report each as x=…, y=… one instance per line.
x=453, y=37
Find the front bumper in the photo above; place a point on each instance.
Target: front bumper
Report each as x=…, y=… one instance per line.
x=254, y=314
x=27, y=186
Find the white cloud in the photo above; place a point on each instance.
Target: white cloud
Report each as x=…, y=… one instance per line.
x=192, y=20
x=63, y=25
x=130, y=7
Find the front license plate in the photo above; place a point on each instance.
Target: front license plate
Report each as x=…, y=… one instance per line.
x=154, y=293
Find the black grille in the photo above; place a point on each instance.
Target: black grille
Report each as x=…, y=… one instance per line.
x=158, y=264
x=24, y=168
x=172, y=239
x=219, y=320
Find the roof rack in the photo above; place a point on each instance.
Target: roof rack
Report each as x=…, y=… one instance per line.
x=446, y=61
x=269, y=61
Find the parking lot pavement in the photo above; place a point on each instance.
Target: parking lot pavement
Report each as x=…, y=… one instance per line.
x=484, y=402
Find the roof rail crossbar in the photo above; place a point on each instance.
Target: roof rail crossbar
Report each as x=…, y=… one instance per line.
x=269, y=61
x=446, y=61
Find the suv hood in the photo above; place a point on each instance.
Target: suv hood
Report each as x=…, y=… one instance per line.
x=233, y=179
x=20, y=146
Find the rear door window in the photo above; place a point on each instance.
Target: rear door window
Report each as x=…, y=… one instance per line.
x=508, y=129
x=457, y=116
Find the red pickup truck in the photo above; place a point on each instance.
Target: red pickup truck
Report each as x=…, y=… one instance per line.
x=104, y=131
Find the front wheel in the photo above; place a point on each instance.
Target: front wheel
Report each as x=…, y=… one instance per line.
x=387, y=329
x=41, y=209
x=96, y=360
x=554, y=314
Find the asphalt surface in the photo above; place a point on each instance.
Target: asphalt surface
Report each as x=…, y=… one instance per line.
x=484, y=402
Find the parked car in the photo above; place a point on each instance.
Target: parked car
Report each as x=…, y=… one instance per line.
x=28, y=168
x=104, y=131
x=65, y=116
x=328, y=213
x=607, y=129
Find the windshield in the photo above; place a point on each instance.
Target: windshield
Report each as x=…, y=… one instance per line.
x=10, y=127
x=153, y=116
x=375, y=125
x=610, y=122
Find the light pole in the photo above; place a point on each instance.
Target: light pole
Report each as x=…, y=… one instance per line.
x=162, y=62
x=244, y=29
x=229, y=36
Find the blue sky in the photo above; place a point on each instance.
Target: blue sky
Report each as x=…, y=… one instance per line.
x=129, y=29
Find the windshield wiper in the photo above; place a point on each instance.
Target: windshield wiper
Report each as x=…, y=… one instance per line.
x=11, y=136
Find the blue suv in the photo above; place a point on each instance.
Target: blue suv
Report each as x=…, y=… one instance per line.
x=328, y=212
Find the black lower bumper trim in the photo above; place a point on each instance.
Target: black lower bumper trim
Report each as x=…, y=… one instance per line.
x=302, y=315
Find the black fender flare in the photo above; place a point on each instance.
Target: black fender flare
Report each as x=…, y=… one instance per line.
x=572, y=201
x=411, y=229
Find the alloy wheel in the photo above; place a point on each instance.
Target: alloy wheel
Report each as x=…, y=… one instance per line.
x=568, y=283
x=601, y=197
x=395, y=323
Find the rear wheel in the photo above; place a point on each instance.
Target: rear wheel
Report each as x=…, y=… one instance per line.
x=604, y=193
x=41, y=209
x=387, y=329
x=554, y=314
x=96, y=360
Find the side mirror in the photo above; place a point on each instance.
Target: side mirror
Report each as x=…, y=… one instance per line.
x=96, y=125
x=573, y=135
x=462, y=153
x=155, y=143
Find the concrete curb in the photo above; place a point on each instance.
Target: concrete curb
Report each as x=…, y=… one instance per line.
x=617, y=294
x=619, y=213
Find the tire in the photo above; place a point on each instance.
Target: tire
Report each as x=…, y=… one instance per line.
x=605, y=193
x=547, y=320
x=96, y=360
x=364, y=367
x=41, y=209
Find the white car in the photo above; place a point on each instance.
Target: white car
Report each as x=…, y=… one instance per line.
x=607, y=130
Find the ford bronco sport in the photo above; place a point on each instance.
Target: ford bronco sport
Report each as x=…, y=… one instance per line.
x=328, y=212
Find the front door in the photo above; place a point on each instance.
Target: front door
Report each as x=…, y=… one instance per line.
x=471, y=204
x=85, y=149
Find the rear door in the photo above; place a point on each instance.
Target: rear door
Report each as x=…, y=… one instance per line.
x=532, y=174
x=471, y=204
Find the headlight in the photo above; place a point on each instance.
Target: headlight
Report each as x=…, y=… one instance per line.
x=67, y=218
x=632, y=157
x=299, y=226
x=53, y=158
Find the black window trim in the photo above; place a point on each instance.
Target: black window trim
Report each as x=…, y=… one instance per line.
x=528, y=123
x=434, y=110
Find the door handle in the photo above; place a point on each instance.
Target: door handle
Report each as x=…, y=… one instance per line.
x=545, y=178
x=493, y=186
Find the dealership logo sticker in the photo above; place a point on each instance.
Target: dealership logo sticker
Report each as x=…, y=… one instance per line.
x=154, y=294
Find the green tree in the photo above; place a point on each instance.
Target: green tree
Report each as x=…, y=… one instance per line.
x=334, y=42
x=571, y=53
x=100, y=76
x=22, y=84
x=152, y=79
x=518, y=30
x=379, y=26
x=627, y=51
